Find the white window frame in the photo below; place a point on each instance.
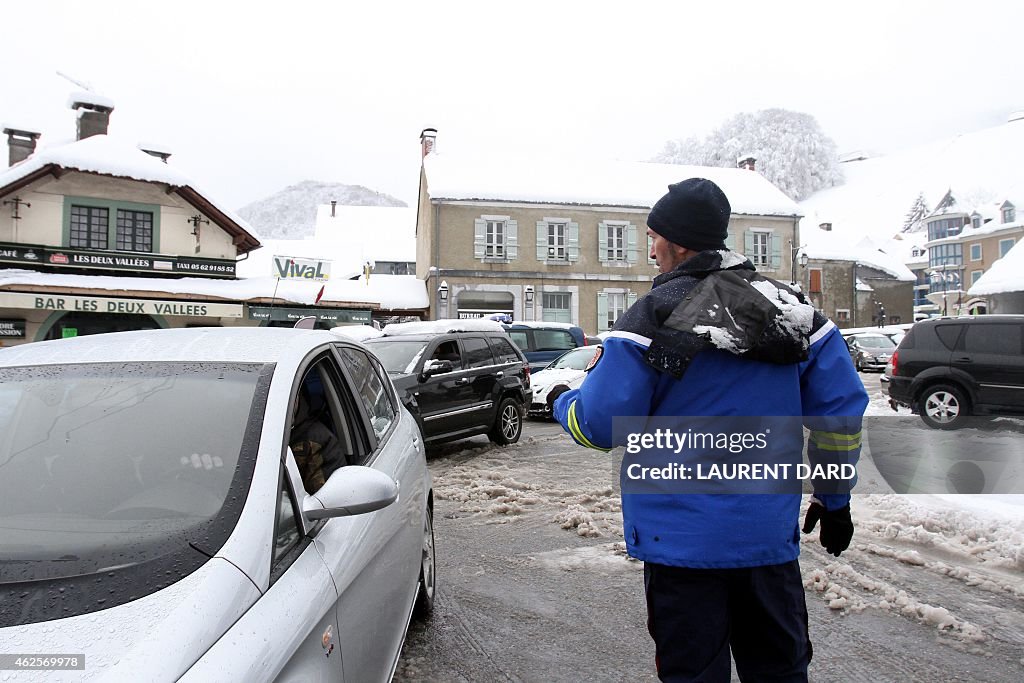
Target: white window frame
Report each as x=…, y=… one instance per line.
x=842, y=315
x=763, y=260
x=1009, y=241
x=975, y=274
x=494, y=238
x=556, y=251
x=616, y=254
x=980, y=252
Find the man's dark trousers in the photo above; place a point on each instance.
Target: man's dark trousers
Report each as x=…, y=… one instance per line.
x=695, y=615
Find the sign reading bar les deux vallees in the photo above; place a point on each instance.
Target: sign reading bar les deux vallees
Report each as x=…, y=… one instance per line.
x=114, y=260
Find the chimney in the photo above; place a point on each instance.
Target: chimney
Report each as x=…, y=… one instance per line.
x=21, y=143
x=427, y=139
x=827, y=227
x=334, y=207
x=746, y=162
x=93, y=113
x=158, y=151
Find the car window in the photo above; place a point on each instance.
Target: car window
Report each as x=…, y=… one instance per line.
x=399, y=356
x=287, y=532
x=553, y=340
x=326, y=430
x=448, y=350
x=948, y=334
x=1004, y=340
x=369, y=387
x=575, y=360
x=876, y=342
x=503, y=350
x=478, y=353
x=520, y=338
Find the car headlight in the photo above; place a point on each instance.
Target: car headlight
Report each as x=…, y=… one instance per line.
x=865, y=354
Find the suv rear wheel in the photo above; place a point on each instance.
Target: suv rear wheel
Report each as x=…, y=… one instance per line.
x=943, y=407
x=508, y=425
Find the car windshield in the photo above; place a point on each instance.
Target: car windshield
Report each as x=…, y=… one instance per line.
x=574, y=360
x=398, y=356
x=105, y=466
x=876, y=342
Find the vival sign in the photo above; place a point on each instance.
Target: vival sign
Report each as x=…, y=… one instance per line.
x=294, y=268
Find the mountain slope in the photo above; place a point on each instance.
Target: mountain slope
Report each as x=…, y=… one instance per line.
x=291, y=212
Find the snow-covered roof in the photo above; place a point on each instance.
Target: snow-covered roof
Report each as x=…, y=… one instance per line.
x=344, y=263
x=887, y=257
x=982, y=167
x=989, y=228
x=1005, y=275
x=110, y=156
x=369, y=233
x=395, y=292
x=442, y=326
x=90, y=98
x=592, y=183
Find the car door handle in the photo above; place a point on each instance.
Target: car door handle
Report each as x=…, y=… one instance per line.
x=499, y=374
x=461, y=381
x=963, y=359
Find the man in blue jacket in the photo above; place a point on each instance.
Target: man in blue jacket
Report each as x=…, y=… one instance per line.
x=714, y=338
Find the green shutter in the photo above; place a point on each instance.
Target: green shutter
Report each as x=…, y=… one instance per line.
x=542, y=241
x=632, y=253
x=602, y=312
x=730, y=242
x=479, y=238
x=511, y=240
x=630, y=299
x=650, y=245
x=748, y=244
x=602, y=243
x=572, y=241
x=775, y=242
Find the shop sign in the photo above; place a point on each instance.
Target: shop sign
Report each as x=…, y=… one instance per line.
x=342, y=316
x=114, y=260
x=294, y=268
x=95, y=304
x=12, y=329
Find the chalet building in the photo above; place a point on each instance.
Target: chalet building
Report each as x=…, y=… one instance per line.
x=543, y=240
x=100, y=236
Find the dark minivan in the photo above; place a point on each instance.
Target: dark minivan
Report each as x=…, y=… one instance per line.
x=947, y=369
x=542, y=342
x=458, y=383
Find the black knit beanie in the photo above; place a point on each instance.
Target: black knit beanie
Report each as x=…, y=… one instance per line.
x=694, y=214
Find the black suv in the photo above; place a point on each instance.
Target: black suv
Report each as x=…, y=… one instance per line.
x=946, y=369
x=458, y=384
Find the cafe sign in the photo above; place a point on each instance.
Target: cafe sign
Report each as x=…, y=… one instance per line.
x=95, y=304
x=12, y=329
x=114, y=260
x=341, y=316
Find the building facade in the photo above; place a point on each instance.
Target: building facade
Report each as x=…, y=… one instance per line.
x=523, y=242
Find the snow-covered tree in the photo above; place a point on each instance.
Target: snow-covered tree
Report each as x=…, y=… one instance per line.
x=917, y=213
x=791, y=150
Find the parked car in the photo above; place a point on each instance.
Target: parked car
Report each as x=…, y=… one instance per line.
x=151, y=503
x=947, y=369
x=870, y=350
x=542, y=342
x=568, y=369
x=457, y=378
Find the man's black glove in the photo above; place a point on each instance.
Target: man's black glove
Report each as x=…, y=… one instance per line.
x=555, y=392
x=836, y=526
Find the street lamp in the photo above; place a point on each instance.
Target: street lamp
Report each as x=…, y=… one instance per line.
x=802, y=259
x=442, y=291
x=528, y=294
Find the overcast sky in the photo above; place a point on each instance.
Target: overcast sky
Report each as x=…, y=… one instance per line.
x=254, y=96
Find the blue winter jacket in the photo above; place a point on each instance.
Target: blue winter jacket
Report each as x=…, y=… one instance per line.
x=715, y=530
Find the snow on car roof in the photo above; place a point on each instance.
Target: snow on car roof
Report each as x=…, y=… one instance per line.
x=357, y=332
x=442, y=326
x=235, y=345
x=540, y=323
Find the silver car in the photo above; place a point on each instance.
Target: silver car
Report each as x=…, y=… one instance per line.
x=209, y=504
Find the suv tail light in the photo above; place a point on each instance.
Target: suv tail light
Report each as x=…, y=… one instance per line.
x=894, y=361
x=526, y=370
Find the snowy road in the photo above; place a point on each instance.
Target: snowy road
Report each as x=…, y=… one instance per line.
x=534, y=584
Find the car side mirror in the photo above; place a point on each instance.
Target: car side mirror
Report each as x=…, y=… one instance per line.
x=351, y=490
x=435, y=367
